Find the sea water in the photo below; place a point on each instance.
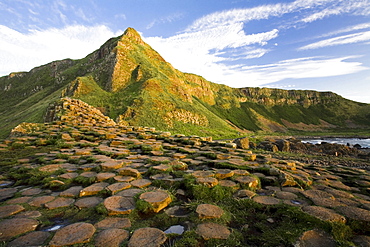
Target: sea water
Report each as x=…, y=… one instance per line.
x=365, y=143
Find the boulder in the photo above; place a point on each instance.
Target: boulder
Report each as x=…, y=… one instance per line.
x=242, y=143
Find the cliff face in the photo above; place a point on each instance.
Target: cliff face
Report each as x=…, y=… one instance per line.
x=272, y=96
x=131, y=83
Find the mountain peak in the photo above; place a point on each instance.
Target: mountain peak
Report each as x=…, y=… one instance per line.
x=133, y=35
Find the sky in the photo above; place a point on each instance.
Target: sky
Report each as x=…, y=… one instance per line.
x=321, y=45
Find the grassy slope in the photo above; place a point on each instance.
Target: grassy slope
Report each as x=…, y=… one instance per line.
x=148, y=88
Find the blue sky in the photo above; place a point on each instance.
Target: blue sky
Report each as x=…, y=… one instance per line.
x=321, y=45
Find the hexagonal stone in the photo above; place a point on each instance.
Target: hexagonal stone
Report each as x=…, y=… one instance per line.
x=36, y=238
x=209, y=211
x=158, y=199
x=60, y=202
x=244, y=194
x=149, y=237
x=113, y=222
x=324, y=214
x=127, y=171
x=286, y=195
x=28, y=214
x=228, y=183
x=117, y=187
x=249, y=181
x=117, y=205
x=112, y=237
x=129, y=192
x=141, y=183
x=9, y=210
x=31, y=192
x=88, y=174
x=123, y=178
x=10, y=228
x=73, y=191
x=23, y=199
x=76, y=233
x=93, y=189
x=207, y=181
x=354, y=213
x=111, y=165
x=69, y=175
x=212, y=230
x=361, y=240
x=88, y=202
x=202, y=174
x=267, y=200
x=104, y=176
x=224, y=173
x=314, y=238
x=40, y=200
x=317, y=194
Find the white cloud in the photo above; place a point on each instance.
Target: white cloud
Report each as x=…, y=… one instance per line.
x=166, y=19
x=22, y=52
x=309, y=67
x=341, y=40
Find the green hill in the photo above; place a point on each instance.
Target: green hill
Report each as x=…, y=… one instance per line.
x=131, y=83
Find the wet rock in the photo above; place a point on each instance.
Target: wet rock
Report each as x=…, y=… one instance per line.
x=213, y=230
x=148, y=237
x=208, y=211
x=112, y=237
x=76, y=233
x=9, y=210
x=117, y=205
x=36, y=238
x=10, y=228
